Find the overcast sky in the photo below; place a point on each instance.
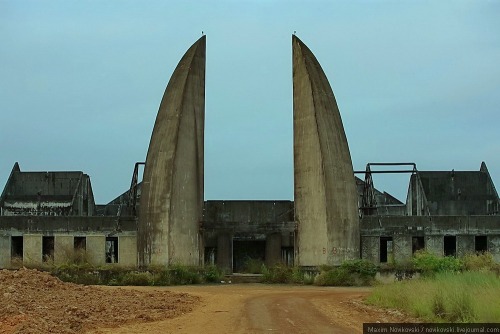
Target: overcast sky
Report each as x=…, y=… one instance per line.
x=81, y=82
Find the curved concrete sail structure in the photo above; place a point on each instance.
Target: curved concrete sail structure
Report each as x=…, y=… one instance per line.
x=172, y=188
x=324, y=188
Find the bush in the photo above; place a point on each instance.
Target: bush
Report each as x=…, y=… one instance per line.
x=334, y=277
x=430, y=264
x=137, y=278
x=278, y=273
x=253, y=266
x=181, y=275
x=212, y=274
x=480, y=262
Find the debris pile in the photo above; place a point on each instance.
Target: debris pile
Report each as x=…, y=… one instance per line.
x=32, y=301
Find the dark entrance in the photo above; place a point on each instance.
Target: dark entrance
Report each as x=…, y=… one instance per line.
x=16, y=251
x=417, y=243
x=481, y=243
x=450, y=245
x=112, y=250
x=385, y=249
x=47, y=248
x=248, y=255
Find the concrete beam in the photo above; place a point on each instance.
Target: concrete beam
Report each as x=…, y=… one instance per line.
x=172, y=187
x=326, y=204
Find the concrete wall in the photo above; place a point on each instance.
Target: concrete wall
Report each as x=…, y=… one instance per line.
x=370, y=249
x=96, y=249
x=5, y=251
x=433, y=228
x=127, y=251
x=63, y=248
x=402, y=248
x=32, y=249
x=465, y=245
x=494, y=246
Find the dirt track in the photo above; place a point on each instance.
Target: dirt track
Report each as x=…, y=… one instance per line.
x=35, y=302
x=255, y=308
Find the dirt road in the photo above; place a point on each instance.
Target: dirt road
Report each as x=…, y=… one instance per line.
x=256, y=308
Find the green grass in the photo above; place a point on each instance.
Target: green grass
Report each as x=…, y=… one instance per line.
x=470, y=296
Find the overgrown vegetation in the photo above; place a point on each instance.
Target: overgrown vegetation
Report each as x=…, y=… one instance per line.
x=115, y=275
x=349, y=273
x=451, y=290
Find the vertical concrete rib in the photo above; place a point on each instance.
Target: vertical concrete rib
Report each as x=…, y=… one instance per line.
x=172, y=189
x=324, y=187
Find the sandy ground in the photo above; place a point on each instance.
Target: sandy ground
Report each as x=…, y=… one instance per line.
x=258, y=308
x=35, y=302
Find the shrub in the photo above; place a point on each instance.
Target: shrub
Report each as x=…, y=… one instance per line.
x=212, y=274
x=335, y=277
x=364, y=269
x=479, y=262
x=138, y=278
x=278, y=273
x=253, y=266
x=430, y=264
x=181, y=275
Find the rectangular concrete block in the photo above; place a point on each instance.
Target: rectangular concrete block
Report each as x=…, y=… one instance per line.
x=370, y=249
x=127, y=251
x=32, y=249
x=402, y=248
x=5, y=252
x=225, y=252
x=494, y=246
x=63, y=248
x=465, y=245
x=96, y=251
x=273, y=249
x=435, y=244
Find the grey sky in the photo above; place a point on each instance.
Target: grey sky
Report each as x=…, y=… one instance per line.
x=81, y=82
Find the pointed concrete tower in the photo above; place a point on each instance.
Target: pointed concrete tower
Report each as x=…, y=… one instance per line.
x=324, y=188
x=172, y=188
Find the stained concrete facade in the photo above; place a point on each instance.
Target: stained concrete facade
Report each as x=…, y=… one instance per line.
x=51, y=216
x=172, y=188
x=35, y=240
x=47, y=194
x=326, y=207
x=441, y=235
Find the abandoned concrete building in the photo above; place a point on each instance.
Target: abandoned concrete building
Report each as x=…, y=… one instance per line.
x=163, y=219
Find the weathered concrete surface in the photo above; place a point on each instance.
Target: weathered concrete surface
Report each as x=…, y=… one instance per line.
x=172, y=189
x=63, y=248
x=96, y=250
x=370, y=249
x=32, y=249
x=5, y=251
x=273, y=249
x=325, y=190
x=225, y=252
x=127, y=251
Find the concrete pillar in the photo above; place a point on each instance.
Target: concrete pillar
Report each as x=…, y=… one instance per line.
x=370, y=249
x=326, y=200
x=435, y=244
x=172, y=186
x=402, y=248
x=225, y=252
x=273, y=249
x=5, y=251
x=96, y=249
x=494, y=246
x=32, y=249
x=465, y=245
x=127, y=251
x=64, y=248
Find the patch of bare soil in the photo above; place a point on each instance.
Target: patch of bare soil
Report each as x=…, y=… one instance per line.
x=36, y=302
